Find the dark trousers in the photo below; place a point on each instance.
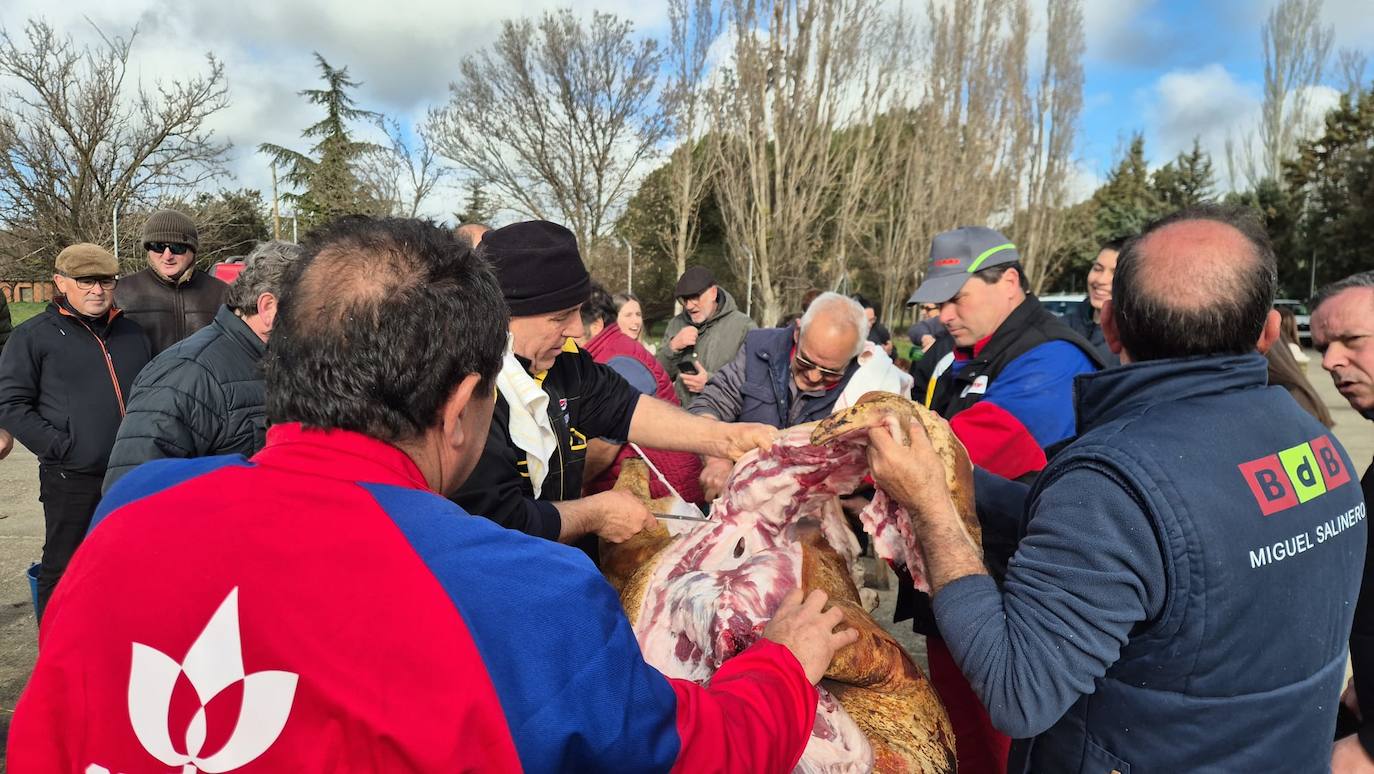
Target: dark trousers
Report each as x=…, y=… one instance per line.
x=69, y=501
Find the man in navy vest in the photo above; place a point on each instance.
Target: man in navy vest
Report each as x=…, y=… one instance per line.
x=1343, y=332
x=1184, y=582
x=785, y=376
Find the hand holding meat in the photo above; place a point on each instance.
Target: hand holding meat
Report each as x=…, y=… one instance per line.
x=744, y=437
x=714, y=473
x=622, y=516
x=687, y=337
x=911, y=473
x=808, y=630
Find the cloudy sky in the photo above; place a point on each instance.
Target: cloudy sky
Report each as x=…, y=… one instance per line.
x=1172, y=69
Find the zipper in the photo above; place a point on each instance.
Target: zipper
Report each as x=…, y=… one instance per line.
x=109, y=361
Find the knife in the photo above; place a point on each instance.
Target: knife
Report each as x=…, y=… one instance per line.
x=695, y=513
x=678, y=517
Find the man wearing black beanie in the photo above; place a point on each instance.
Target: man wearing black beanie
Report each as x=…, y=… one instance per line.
x=552, y=397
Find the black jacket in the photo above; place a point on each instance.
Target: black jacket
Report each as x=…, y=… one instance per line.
x=203, y=396
x=586, y=400
x=170, y=312
x=63, y=382
x=5, y=325
x=1081, y=320
x=1362, y=631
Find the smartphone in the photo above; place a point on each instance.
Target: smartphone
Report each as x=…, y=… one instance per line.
x=687, y=367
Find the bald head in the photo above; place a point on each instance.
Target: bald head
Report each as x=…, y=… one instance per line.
x=1198, y=282
x=838, y=319
x=471, y=234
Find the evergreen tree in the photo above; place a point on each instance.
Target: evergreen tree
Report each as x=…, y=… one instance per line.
x=1185, y=181
x=1127, y=201
x=329, y=178
x=479, y=207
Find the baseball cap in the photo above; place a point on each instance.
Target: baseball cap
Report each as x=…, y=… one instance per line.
x=955, y=256
x=86, y=260
x=693, y=281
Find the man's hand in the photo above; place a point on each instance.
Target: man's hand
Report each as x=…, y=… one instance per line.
x=622, y=516
x=912, y=473
x=744, y=437
x=695, y=382
x=6, y=443
x=1348, y=757
x=714, y=473
x=927, y=341
x=687, y=337
x=809, y=633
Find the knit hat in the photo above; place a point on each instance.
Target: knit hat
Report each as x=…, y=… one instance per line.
x=955, y=256
x=171, y=226
x=538, y=266
x=86, y=260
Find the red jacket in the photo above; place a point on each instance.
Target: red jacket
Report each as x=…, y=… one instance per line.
x=681, y=468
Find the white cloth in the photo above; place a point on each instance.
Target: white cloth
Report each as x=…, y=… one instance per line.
x=530, y=428
x=1298, y=354
x=876, y=372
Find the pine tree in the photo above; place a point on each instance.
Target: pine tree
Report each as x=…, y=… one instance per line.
x=331, y=184
x=1186, y=181
x=1127, y=201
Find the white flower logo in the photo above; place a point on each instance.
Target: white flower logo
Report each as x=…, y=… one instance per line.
x=213, y=663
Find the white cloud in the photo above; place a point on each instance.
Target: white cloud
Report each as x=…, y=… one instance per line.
x=1206, y=103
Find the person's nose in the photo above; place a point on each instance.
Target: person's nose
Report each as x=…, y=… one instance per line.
x=947, y=313
x=1335, y=356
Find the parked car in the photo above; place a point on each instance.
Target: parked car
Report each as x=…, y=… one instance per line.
x=1299, y=310
x=1063, y=304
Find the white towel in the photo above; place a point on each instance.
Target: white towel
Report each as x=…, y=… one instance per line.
x=530, y=428
x=876, y=372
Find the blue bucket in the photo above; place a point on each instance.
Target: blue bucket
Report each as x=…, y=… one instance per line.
x=33, y=585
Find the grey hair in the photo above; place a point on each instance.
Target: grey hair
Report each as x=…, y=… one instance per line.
x=1364, y=279
x=844, y=309
x=262, y=273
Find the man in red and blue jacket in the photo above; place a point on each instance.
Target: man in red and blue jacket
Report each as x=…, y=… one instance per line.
x=322, y=606
x=1004, y=380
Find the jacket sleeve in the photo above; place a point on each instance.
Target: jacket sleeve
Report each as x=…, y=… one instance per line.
x=721, y=397
x=494, y=490
x=6, y=324
x=607, y=401
x=174, y=412
x=664, y=354
x=20, y=374
x=1087, y=571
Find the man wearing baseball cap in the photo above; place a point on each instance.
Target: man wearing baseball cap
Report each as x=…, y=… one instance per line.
x=1004, y=380
x=552, y=396
x=170, y=299
x=705, y=336
x=63, y=377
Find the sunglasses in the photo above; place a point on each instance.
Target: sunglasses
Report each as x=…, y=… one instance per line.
x=804, y=364
x=159, y=247
x=86, y=283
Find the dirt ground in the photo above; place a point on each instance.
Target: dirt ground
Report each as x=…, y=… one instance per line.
x=21, y=542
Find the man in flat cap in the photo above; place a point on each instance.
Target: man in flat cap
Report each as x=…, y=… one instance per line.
x=553, y=396
x=170, y=299
x=704, y=336
x=64, y=375
x=1004, y=380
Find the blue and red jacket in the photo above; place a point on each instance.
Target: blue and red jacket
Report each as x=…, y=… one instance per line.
x=318, y=608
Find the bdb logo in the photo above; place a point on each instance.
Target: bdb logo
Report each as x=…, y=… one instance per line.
x=1296, y=475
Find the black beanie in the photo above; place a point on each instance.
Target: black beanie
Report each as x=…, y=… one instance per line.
x=538, y=266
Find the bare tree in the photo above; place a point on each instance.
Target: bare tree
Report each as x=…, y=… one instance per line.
x=1052, y=113
x=80, y=138
x=404, y=172
x=693, y=26
x=1352, y=63
x=1296, y=49
x=556, y=117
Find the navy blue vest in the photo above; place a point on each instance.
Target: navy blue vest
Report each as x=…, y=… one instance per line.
x=1262, y=526
x=765, y=395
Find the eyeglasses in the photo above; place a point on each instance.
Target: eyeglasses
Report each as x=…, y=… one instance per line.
x=928, y=308
x=86, y=283
x=804, y=364
x=159, y=247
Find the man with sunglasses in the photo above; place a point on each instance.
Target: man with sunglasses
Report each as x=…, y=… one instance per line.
x=64, y=375
x=786, y=376
x=170, y=299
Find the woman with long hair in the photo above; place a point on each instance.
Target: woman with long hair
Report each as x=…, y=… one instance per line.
x=1285, y=372
x=630, y=317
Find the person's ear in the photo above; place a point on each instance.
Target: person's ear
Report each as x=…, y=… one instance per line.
x=267, y=310
x=1110, y=332
x=1269, y=333
x=454, y=410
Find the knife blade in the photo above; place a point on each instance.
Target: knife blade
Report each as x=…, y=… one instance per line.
x=678, y=517
x=696, y=514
